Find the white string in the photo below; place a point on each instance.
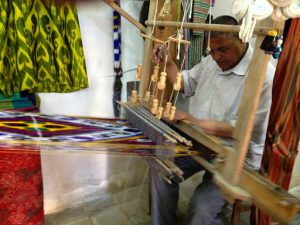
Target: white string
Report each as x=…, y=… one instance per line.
x=209, y=22
x=190, y=16
x=187, y=7
x=154, y=20
x=180, y=31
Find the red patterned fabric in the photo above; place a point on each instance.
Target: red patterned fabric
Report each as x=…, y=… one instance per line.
x=284, y=124
x=21, y=189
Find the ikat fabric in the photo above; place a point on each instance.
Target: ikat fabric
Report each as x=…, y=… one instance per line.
x=41, y=47
x=39, y=127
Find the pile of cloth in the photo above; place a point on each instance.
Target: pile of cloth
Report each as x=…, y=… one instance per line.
x=25, y=101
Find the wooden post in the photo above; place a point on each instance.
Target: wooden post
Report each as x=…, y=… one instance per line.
x=246, y=114
x=148, y=46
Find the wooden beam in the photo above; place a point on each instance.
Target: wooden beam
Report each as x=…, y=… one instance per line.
x=211, y=142
x=246, y=113
x=112, y=4
x=205, y=26
x=270, y=198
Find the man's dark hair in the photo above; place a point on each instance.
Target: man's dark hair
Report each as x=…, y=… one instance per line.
x=224, y=20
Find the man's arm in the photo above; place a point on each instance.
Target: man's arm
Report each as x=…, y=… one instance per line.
x=213, y=127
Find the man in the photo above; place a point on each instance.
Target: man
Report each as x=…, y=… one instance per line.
x=216, y=85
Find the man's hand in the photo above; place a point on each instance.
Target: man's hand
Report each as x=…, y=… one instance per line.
x=218, y=128
x=182, y=116
x=160, y=54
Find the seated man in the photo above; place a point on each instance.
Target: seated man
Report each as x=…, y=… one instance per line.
x=216, y=85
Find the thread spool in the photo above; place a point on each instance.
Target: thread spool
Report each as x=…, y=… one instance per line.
x=167, y=111
x=139, y=72
x=147, y=96
x=177, y=84
x=172, y=114
x=154, y=77
x=154, y=106
x=140, y=99
x=134, y=96
x=159, y=112
x=162, y=81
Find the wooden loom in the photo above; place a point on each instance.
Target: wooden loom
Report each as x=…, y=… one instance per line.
x=236, y=181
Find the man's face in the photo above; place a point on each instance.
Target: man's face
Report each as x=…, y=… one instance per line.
x=227, y=51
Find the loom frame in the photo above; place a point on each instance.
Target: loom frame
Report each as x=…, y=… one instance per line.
x=236, y=181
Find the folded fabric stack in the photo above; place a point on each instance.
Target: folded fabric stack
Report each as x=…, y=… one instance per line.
x=21, y=101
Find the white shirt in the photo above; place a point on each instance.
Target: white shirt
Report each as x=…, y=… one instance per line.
x=216, y=96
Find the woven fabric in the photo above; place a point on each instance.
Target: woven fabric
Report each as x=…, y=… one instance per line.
x=199, y=15
x=284, y=123
x=200, y=12
x=20, y=101
x=196, y=51
x=21, y=188
x=39, y=127
x=41, y=47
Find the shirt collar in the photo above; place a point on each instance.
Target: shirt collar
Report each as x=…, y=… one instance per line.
x=242, y=67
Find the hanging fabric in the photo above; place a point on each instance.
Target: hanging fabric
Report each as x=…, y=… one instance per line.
x=41, y=47
x=199, y=15
x=284, y=123
x=117, y=61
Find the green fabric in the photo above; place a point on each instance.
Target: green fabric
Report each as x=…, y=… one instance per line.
x=14, y=101
x=40, y=47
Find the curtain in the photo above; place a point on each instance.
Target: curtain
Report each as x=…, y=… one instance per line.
x=40, y=47
x=284, y=123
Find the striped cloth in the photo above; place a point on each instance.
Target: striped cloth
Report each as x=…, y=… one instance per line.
x=200, y=12
x=284, y=123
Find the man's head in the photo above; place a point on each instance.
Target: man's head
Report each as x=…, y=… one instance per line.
x=226, y=47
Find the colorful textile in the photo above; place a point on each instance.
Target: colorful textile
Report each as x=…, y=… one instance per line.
x=39, y=127
x=20, y=101
x=24, y=135
x=41, y=47
x=200, y=12
x=87, y=135
x=284, y=123
x=117, y=62
x=21, y=188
